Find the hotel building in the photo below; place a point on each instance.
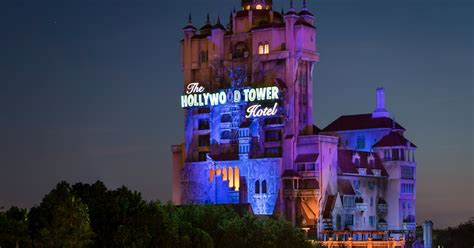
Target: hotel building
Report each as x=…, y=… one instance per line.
x=357, y=174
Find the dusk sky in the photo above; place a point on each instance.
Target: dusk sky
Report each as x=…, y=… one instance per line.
x=90, y=90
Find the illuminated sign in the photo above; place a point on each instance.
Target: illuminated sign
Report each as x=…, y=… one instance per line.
x=197, y=97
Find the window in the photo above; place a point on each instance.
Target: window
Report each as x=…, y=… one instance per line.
x=360, y=142
x=288, y=184
x=260, y=48
x=407, y=188
x=349, y=219
x=300, y=167
x=264, y=186
x=202, y=156
x=371, y=201
x=204, y=56
x=240, y=50
x=204, y=140
x=407, y=172
x=372, y=220
x=257, y=187
x=272, y=135
x=243, y=149
x=356, y=184
x=273, y=152
x=371, y=185
x=273, y=121
x=395, y=154
x=266, y=49
x=386, y=155
x=226, y=134
x=310, y=167
x=259, y=7
x=203, y=124
x=226, y=118
x=349, y=201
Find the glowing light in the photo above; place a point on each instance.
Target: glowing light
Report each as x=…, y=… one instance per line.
x=259, y=7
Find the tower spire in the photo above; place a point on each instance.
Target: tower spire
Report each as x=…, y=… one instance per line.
x=208, y=19
x=190, y=19
x=291, y=5
x=304, y=4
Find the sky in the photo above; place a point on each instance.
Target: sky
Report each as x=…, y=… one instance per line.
x=89, y=90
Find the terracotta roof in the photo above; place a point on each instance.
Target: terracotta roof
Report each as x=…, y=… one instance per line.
x=224, y=157
x=360, y=122
x=305, y=12
x=345, y=187
x=290, y=173
x=393, y=139
x=268, y=25
x=330, y=202
x=190, y=26
x=302, y=22
x=346, y=165
x=306, y=158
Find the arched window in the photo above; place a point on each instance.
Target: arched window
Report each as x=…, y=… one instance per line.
x=226, y=134
x=224, y=174
x=211, y=175
x=236, y=178
x=266, y=49
x=259, y=7
x=240, y=49
x=260, y=48
x=264, y=186
x=257, y=187
x=231, y=177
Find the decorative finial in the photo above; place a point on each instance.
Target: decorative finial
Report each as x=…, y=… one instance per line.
x=304, y=4
x=393, y=122
x=291, y=4
x=207, y=20
x=190, y=19
x=218, y=20
x=282, y=11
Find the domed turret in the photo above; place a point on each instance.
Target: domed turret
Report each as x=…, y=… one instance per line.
x=257, y=4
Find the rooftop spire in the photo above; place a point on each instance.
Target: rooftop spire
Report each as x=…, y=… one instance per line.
x=208, y=19
x=190, y=19
x=291, y=5
x=380, y=110
x=304, y=4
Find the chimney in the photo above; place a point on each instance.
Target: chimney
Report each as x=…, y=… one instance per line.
x=380, y=110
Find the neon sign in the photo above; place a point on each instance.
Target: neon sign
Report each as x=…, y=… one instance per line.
x=197, y=97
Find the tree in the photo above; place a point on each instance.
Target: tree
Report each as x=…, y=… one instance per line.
x=61, y=220
x=14, y=228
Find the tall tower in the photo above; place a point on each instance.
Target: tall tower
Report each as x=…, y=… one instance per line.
x=258, y=49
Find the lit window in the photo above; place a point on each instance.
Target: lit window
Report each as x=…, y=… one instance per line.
x=248, y=7
x=266, y=49
x=259, y=7
x=260, y=48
